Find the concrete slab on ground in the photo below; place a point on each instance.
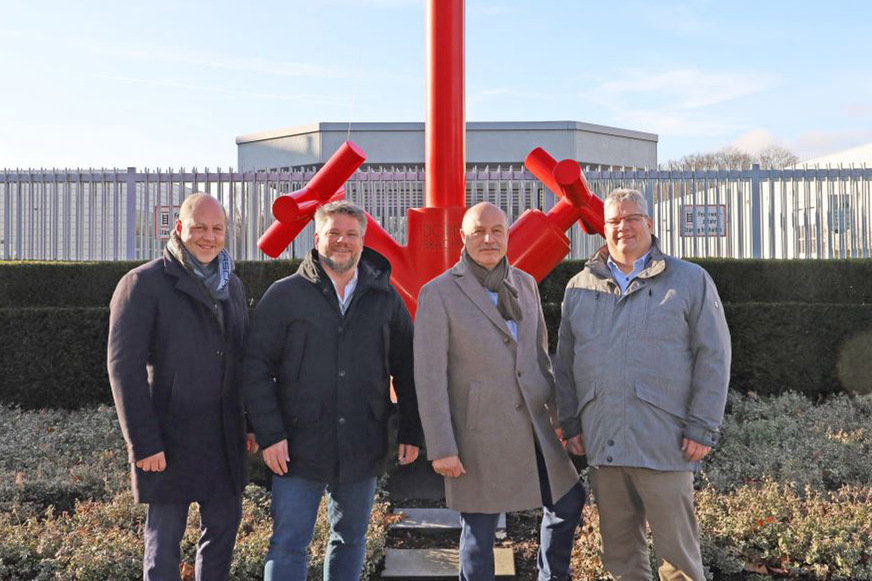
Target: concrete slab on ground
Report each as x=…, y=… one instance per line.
x=424, y=564
x=434, y=520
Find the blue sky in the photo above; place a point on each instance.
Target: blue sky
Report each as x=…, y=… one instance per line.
x=165, y=83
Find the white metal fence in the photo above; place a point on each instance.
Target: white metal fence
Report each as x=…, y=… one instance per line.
x=122, y=214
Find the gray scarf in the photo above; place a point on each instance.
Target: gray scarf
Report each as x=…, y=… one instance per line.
x=497, y=281
x=215, y=276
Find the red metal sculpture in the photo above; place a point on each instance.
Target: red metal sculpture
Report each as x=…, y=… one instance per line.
x=537, y=242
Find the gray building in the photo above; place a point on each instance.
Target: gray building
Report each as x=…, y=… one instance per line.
x=399, y=145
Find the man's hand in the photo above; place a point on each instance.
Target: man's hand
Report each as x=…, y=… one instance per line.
x=407, y=454
x=154, y=463
x=251, y=443
x=694, y=451
x=276, y=457
x=575, y=445
x=450, y=467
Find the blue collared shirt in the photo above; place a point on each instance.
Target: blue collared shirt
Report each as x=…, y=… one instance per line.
x=512, y=325
x=624, y=280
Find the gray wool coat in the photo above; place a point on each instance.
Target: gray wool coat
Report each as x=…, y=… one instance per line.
x=175, y=380
x=482, y=395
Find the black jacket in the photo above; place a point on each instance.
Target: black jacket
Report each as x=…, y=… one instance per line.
x=321, y=380
x=176, y=382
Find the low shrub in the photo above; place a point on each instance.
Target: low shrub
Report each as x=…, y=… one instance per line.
x=790, y=439
x=776, y=529
x=58, y=457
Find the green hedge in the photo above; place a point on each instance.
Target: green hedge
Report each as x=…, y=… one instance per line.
x=813, y=349
x=54, y=357
x=761, y=281
x=57, y=357
x=90, y=284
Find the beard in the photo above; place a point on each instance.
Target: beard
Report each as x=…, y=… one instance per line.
x=339, y=267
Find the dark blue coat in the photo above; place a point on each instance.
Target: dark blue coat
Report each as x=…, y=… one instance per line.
x=321, y=380
x=175, y=380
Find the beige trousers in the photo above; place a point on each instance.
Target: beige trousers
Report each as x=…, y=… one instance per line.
x=626, y=498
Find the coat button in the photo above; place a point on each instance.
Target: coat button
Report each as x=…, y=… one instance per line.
x=341, y=373
x=609, y=459
x=219, y=353
x=517, y=406
x=519, y=374
x=341, y=421
x=611, y=442
x=506, y=340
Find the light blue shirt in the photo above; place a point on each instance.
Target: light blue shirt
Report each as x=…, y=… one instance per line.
x=512, y=325
x=624, y=280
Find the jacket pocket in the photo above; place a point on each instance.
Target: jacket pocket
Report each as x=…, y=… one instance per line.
x=379, y=407
x=473, y=403
x=588, y=396
x=662, y=399
x=295, y=350
x=386, y=347
x=306, y=414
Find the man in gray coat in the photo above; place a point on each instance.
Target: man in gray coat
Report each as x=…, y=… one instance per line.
x=486, y=398
x=642, y=367
x=175, y=343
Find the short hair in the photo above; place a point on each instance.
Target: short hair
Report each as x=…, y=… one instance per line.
x=187, y=207
x=340, y=207
x=627, y=195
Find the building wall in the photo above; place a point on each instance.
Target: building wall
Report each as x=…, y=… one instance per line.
x=487, y=143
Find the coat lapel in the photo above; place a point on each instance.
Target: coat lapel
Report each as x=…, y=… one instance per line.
x=185, y=282
x=479, y=297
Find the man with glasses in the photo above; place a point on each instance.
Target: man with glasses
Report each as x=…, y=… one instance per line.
x=642, y=369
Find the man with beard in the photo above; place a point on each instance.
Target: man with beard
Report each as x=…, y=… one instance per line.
x=175, y=345
x=487, y=401
x=322, y=348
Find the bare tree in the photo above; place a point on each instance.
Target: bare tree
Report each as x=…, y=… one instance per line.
x=774, y=157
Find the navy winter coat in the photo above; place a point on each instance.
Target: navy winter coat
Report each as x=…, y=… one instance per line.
x=321, y=380
x=176, y=383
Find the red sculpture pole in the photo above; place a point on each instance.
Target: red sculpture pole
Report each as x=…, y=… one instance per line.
x=536, y=240
x=293, y=211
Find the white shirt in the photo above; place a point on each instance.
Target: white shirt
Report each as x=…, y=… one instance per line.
x=349, y=290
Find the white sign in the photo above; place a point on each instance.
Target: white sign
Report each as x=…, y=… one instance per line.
x=165, y=218
x=704, y=220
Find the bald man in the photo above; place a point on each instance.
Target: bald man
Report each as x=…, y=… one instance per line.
x=175, y=341
x=486, y=399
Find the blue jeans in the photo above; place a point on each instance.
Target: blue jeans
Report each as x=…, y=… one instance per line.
x=165, y=526
x=556, y=535
x=294, y=511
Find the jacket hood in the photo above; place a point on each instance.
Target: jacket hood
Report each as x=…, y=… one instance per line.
x=373, y=270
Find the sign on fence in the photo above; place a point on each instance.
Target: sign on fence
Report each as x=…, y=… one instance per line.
x=704, y=220
x=165, y=218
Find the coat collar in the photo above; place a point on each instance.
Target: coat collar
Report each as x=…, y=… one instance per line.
x=479, y=296
x=185, y=281
x=373, y=270
x=598, y=264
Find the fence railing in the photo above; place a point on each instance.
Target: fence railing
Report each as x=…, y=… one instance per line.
x=126, y=214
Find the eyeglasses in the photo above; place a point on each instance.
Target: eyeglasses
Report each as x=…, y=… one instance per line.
x=631, y=219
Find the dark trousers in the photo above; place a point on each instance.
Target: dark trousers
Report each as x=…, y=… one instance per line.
x=556, y=535
x=165, y=527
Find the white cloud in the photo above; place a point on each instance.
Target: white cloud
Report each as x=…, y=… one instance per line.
x=682, y=89
x=813, y=144
x=218, y=61
x=303, y=97
x=755, y=141
x=677, y=101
